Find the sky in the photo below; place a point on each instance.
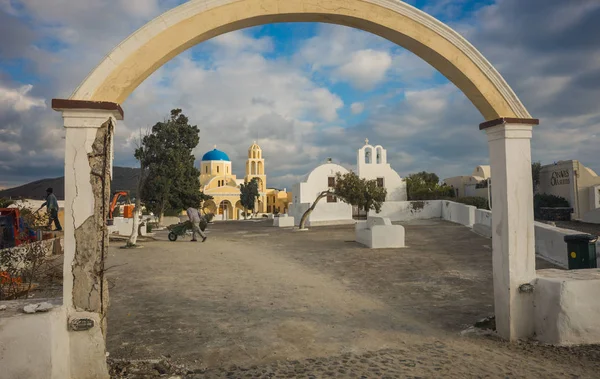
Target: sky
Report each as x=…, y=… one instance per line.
x=305, y=91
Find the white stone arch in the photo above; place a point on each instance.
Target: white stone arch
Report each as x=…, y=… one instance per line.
x=94, y=108
x=368, y=154
x=163, y=38
x=380, y=157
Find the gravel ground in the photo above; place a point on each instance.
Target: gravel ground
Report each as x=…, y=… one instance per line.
x=255, y=301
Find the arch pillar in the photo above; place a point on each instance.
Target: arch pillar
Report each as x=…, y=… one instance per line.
x=513, y=239
x=88, y=170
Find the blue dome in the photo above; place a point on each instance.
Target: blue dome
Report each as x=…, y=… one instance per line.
x=215, y=155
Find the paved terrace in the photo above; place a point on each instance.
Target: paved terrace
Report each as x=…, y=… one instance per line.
x=259, y=301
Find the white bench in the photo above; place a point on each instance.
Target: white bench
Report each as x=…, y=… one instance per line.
x=379, y=233
x=283, y=221
x=567, y=306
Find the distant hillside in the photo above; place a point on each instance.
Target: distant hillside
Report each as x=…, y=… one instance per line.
x=124, y=179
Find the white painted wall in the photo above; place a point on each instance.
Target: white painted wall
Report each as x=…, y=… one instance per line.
x=593, y=216
x=33, y=345
x=458, y=213
x=379, y=168
x=123, y=226
x=307, y=191
x=567, y=306
x=410, y=210
x=283, y=221
x=316, y=182
x=551, y=246
x=33, y=205
x=483, y=223
x=323, y=214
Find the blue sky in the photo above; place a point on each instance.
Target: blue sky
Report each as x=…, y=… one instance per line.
x=307, y=91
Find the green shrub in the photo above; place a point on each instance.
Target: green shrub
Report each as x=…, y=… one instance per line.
x=542, y=200
x=479, y=202
x=435, y=193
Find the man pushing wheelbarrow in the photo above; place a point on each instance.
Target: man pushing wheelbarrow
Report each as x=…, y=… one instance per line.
x=196, y=224
x=196, y=218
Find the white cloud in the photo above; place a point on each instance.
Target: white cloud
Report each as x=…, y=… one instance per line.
x=19, y=99
x=241, y=93
x=357, y=108
x=240, y=41
x=366, y=68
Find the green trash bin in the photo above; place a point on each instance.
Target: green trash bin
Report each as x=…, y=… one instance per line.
x=582, y=251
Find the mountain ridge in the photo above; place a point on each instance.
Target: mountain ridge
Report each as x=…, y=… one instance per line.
x=124, y=179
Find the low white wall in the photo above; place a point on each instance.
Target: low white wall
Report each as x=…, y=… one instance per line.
x=324, y=213
x=123, y=226
x=550, y=243
x=458, y=213
x=593, y=216
x=33, y=345
x=410, y=210
x=283, y=221
x=567, y=306
x=483, y=223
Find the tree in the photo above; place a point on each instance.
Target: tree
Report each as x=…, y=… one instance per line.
x=5, y=203
x=421, y=180
x=536, y=168
x=353, y=190
x=248, y=195
x=172, y=182
x=425, y=186
x=140, y=154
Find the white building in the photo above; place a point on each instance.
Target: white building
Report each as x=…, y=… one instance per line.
x=372, y=165
x=329, y=210
x=578, y=184
x=471, y=185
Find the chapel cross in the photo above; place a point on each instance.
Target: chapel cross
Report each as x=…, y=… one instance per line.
x=366, y=141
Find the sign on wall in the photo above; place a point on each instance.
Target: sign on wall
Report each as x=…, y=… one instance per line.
x=560, y=178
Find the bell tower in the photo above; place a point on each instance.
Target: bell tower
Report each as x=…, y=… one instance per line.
x=255, y=168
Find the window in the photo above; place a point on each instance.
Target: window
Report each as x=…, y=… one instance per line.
x=206, y=169
x=227, y=169
x=378, y=159
x=331, y=199
x=217, y=169
x=331, y=181
x=380, y=182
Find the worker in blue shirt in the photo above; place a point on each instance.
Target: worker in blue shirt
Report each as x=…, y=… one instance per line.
x=51, y=205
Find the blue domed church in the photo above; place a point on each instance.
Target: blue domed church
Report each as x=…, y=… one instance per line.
x=217, y=180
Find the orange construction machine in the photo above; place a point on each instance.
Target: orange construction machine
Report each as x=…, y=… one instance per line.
x=128, y=209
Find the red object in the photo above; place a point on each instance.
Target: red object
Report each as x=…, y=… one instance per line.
x=114, y=202
x=13, y=216
x=128, y=211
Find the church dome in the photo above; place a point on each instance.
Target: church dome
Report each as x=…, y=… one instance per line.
x=215, y=155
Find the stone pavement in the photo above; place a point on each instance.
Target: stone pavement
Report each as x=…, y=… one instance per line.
x=257, y=301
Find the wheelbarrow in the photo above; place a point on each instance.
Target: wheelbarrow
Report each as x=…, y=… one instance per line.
x=183, y=228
